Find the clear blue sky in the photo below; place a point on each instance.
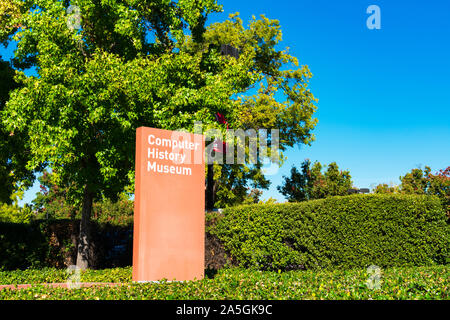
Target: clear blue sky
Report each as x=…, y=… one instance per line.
x=384, y=95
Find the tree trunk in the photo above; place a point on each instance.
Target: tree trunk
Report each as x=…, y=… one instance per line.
x=210, y=192
x=84, y=240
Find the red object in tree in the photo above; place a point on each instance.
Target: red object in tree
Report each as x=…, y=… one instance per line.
x=220, y=119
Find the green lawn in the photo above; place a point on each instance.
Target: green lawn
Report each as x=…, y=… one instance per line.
x=397, y=283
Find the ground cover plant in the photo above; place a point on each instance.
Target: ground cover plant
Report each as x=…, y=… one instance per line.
x=236, y=283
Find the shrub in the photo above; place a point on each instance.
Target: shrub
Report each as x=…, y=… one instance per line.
x=22, y=246
x=229, y=284
x=50, y=243
x=350, y=231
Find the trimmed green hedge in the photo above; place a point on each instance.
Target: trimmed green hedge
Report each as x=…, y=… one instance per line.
x=228, y=284
x=23, y=245
x=348, y=232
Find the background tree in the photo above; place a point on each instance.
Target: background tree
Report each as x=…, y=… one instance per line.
x=310, y=183
x=420, y=181
x=254, y=196
x=51, y=202
x=385, y=188
x=416, y=181
x=337, y=182
x=440, y=186
x=296, y=187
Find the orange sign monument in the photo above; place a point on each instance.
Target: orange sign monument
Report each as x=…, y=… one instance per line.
x=169, y=221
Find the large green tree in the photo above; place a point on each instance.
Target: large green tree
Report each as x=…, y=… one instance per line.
x=121, y=70
x=6, y=85
x=14, y=147
x=131, y=63
x=277, y=98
